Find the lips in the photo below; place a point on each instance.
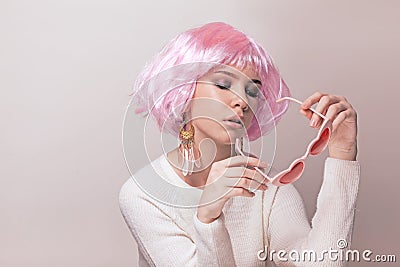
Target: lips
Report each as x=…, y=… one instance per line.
x=234, y=120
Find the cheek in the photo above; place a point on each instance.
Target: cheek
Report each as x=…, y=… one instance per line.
x=248, y=119
x=253, y=104
x=208, y=102
x=203, y=90
x=204, y=108
x=251, y=113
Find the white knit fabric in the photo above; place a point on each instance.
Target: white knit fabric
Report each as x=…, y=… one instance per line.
x=170, y=236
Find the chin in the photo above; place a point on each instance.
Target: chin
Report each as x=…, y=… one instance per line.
x=230, y=138
x=221, y=135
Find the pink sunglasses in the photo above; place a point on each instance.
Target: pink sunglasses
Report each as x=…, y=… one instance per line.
x=316, y=147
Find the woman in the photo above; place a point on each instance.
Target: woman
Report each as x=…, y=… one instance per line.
x=233, y=94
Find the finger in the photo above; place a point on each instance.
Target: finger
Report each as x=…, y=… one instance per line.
x=334, y=110
x=245, y=183
x=237, y=182
x=322, y=107
x=254, y=179
x=306, y=112
x=238, y=172
x=241, y=192
x=263, y=176
x=248, y=154
x=262, y=187
x=237, y=161
x=348, y=113
x=311, y=100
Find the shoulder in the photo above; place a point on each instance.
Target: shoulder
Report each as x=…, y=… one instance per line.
x=140, y=190
x=129, y=195
x=133, y=186
x=136, y=206
x=128, y=189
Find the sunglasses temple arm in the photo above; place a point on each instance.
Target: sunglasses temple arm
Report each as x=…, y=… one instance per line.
x=299, y=102
x=239, y=151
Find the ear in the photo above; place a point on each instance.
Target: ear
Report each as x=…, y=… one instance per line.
x=186, y=116
x=187, y=111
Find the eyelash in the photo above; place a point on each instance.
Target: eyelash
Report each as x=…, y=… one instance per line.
x=223, y=87
x=220, y=86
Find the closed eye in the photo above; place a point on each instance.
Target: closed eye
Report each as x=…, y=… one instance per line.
x=253, y=91
x=221, y=86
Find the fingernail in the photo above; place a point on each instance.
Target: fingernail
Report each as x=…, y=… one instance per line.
x=304, y=105
x=313, y=122
x=263, y=163
x=264, y=187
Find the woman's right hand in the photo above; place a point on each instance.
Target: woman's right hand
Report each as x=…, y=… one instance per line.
x=228, y=178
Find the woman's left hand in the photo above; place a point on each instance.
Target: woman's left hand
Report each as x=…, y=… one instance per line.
x=343, y=142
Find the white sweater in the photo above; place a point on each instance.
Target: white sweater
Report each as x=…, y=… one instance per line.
x=171, y=236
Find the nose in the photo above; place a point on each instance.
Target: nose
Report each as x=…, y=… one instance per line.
x=239, y=100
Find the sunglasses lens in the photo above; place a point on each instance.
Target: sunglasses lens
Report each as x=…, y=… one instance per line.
x=321, y=143
x=293, y=174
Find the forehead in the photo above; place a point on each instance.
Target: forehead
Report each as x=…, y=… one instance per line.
x=248, y=72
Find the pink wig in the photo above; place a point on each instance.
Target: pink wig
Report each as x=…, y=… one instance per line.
x=167, y=82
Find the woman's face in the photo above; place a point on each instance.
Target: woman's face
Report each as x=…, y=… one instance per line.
x=224, y=103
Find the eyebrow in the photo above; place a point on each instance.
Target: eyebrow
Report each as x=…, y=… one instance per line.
x=233, y=75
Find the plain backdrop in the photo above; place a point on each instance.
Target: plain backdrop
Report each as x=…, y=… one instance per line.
x=66, y=72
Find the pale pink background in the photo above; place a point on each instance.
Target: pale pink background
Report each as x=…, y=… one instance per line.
x=66, y=72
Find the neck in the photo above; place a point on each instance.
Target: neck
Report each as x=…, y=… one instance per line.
x=210, y=153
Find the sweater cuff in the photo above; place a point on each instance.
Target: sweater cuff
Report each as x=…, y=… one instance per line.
x=213, y=242
x=341, y=178
x=346, y=170
x=215, y=230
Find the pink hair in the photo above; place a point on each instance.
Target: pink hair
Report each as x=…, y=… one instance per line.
x=168, y=81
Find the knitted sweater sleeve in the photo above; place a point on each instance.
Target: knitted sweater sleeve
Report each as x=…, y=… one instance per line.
x=333, y=220
x=163, y=242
